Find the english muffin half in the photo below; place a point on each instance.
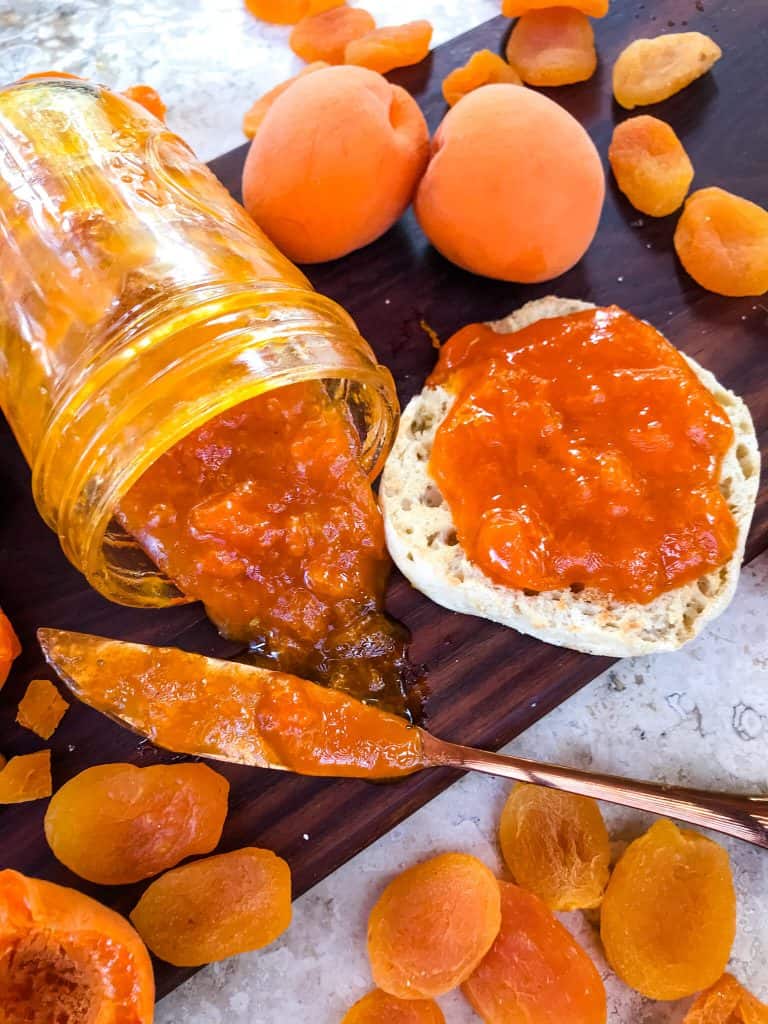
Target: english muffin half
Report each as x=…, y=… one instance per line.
x=422, y=537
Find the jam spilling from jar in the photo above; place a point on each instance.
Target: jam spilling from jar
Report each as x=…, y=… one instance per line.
x=265, y=515
x=582, y=451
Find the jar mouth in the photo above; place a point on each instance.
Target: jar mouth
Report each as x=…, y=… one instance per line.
x=239, y=354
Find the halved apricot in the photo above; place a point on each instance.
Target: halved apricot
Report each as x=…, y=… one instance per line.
x=66, y=959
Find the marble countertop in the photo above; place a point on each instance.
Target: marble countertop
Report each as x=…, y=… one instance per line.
x=697, y=717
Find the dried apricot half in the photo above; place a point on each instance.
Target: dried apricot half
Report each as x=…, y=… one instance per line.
x=652, y=70
x=669, y=914
x=41, y=708
x=116, y=823
x=149, y=98
x=396, y=46
x=432, y=926
x=288, y=12
x=553, y=46
x=215, y=908
x=535, y=972
x=727, y=1002
x=381, y=1008
x=325, y=36
x=482, y=68
x=722, y=241
x=66, y=959
x=650, y=165
x=556, y=846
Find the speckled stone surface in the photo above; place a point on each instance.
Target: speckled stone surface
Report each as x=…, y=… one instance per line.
x=698, y=717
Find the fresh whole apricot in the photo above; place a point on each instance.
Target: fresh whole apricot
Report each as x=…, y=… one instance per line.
x=215, y=908
x=553, y=46
x=380, y=1008
x=556, y=846
x=535, y=972
x=334, y=163
x=722, y=241
x=325, y=36
x=66, y=959
x=650, y=165
x=669, y=915
x=482, y=68
x=514, y=188
x=432, y=926
x=116, y=823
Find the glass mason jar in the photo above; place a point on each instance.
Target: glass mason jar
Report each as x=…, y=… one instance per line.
x=137, y=301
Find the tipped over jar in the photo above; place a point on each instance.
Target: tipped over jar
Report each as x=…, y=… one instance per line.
x=138, y=302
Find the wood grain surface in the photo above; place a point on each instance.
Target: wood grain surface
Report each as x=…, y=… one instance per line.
x=486, y=684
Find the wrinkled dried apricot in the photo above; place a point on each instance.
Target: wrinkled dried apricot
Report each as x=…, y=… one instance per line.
x=381, y=1008
x=215, y=908
x=482, y=68
x=116, y=823
x=325, y=36
x=650, y=164
x=556, y=846
x=10, y=648
x=669, y=913
x=553, y=46
x=592, y=8
x=26, y=777
x=432, y=926
x=535, y=972
x=149, y=98
x=722, y=241
x=652, y=70
x=258, y=111
x=288, y=12
x=727, y=1002
x=66, y=959
x=41, y=708
x=396, y=46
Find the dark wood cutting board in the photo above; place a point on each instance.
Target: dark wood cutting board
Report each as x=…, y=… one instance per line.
x=486, y=683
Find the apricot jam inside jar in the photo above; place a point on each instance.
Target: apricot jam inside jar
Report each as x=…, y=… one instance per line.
x=138, y=302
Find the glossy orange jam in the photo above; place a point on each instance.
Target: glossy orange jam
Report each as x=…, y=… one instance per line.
x=265, y=515
x=240, y=713
x=582, y=451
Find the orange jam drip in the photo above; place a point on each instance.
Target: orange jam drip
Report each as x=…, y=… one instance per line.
x=582, y=451
x=265, y=515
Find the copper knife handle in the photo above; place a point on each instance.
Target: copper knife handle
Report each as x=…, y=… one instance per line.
x=744, y=817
